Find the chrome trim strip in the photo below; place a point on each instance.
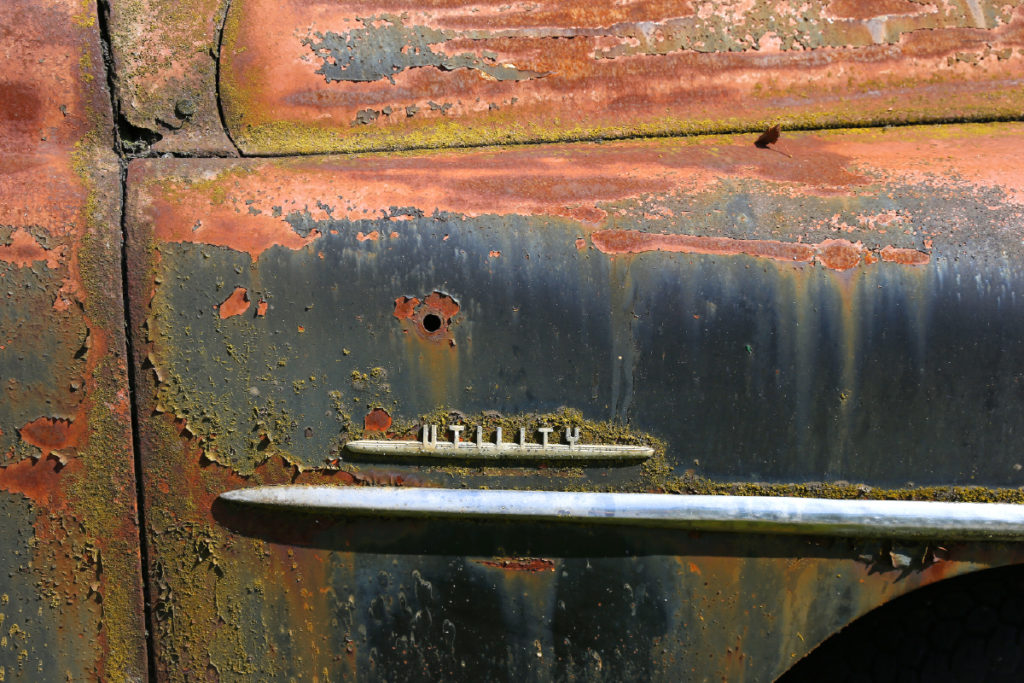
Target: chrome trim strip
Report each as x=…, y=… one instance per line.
x=773, y=515
x=468, y=450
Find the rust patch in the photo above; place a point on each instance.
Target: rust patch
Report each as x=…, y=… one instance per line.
x=371, y=236
x=261, y=308
x=867, y=9
x=431, y=319
x=839, y=254
x=377, y=420
x=908, y=257
x=405, y=306
x=236, y=208
x=38, y=480
x=297, y=79
x=494, y=253
x=442, y=304
x=23, y=250
x=236, y=304
x=52, y=435
x=215, y=213
x=165, y=60
x=835, y=254
x=531, y=565
x=60, y=206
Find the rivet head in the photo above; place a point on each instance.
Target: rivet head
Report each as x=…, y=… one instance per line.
x=184, y=108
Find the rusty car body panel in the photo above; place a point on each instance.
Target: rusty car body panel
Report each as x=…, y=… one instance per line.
x=71, y=596
x=765, y=248
x=309, y=77
x=631, y=288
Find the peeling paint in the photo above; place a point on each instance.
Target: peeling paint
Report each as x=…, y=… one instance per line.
x=51, y=435
x=835, y=254
x=385, y=47
x=23, y=250
x=361, y=76
x=377, y=420
x=237, y=303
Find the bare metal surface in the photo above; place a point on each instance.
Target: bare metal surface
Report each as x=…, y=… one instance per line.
x=847, y=518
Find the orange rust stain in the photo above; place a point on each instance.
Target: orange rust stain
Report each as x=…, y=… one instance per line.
x=916, y=156
x=220, y=225
x=431, y=320
x=442, y=304
x=520, y=564
x=495, y=254
x=38, y=480
x=539, y=180
x=867, y=9
x=835, y=254
x=52, y=434
x=301, y=329
x=394, y=234
x=261, y=308
x=694, y=569
x=907, y=257
x=236, y=304
x=639, y=83
x=635, y=242
x=371, y=236
x=24, y=250
x=581, y=244
x=839, y=254
x=377, y=420
x=404, y=307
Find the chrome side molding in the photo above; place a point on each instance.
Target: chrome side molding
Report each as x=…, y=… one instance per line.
x=752, y=514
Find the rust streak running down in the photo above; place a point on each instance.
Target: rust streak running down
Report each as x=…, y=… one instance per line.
x=835, y=254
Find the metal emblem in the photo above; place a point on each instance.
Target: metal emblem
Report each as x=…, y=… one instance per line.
x=479, y=449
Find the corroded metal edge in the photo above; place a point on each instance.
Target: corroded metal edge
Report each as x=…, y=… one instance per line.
x=847, y=518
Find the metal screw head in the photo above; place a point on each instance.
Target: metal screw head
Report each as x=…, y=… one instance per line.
x=184, y=108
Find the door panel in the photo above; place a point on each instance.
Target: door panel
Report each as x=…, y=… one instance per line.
x=829, y=323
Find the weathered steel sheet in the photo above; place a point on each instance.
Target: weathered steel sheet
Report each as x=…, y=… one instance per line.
x=828, y=317
x=70, y=596
x=306, y=77
x=830, y=298
x=164, y=57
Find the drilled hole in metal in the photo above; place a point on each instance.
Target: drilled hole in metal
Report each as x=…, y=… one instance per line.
x=431, y=322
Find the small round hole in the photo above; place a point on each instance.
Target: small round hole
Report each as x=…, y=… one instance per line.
x=431, y=322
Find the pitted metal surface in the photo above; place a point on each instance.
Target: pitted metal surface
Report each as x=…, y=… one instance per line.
x=822, y=326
